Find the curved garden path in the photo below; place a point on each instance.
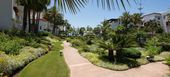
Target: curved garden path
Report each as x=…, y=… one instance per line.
x=81, y=67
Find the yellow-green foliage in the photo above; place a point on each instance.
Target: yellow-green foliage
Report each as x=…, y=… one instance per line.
x=94, y=58
x=8, y=63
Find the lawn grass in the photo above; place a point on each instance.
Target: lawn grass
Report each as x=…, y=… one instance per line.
x=50, y=65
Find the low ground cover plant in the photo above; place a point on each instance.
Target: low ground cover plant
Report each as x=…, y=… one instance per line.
x=16, y=50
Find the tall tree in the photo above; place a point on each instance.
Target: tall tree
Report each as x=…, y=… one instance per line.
x=53, y=16
x=34, y=7
x=82, y=31
x=126, y=19
x=63, y=5
x=152, y=26
x=137, y=19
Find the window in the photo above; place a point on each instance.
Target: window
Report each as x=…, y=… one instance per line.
x=158, y=18
x=167, y=23
x=40, y=27
x=16, y=10
x=164, y=17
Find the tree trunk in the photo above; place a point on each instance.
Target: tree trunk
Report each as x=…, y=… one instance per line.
x=110, y=54
x=33, y=21
x=29, y=20
x=24, y=25
x=54, y=27
x=37, y=22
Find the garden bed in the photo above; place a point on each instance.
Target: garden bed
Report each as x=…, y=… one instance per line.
x=99, y=56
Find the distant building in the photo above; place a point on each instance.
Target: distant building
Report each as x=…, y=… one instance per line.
x=160, y=17
x=114, y=23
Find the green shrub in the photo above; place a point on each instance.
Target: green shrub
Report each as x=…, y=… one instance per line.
x=165, y=46
x=116, y=67
x=168, y=60
x=131, y=53
x=77, y=42
x=85, y=48
x=165, y=54
x=10, y=63
x=152, y=47
x=164, y=40
x=11, y=45
x=142, y=61
x=94, y=58
x=158, y=58
x=44, y=33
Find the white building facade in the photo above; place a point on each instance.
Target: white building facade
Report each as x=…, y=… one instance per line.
x=10, y=14
x=160, y=17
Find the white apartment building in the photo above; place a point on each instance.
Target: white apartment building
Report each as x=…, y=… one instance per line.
x=114, y=23
x=10, y=14
x=161, y=17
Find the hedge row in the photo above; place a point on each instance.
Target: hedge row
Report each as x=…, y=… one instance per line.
x=9, y=64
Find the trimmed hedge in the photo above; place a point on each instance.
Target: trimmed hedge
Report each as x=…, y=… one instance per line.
x=10, y=63
x=131, y=53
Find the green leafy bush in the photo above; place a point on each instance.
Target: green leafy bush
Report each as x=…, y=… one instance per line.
x=94, y=58
x=131, y=53
x=168, y=60
x=11, y=45
x=44, y=33
x=10, y=63
x=142, y=61
x=165, y=46
x=164, y=40
x=152, y=47
x=76, y=42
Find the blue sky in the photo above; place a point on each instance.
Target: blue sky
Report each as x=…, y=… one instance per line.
x=92, y=15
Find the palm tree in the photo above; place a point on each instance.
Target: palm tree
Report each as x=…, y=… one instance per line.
x=126, y=19
x=137, y=19
x=105, y=29
x=116, y=43
x=62, y=5
x=82, y=31
x=25, y=4
x=34, y=6
x=110, y=46
x=53, y=16
x=152, y=26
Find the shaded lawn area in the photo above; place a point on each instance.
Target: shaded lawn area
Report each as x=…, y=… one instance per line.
x=50, y=65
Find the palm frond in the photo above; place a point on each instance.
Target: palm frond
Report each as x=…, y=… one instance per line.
x=110, y=4
x=71, y=5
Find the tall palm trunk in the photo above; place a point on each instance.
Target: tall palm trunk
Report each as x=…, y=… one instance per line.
x=33, y=21
x=110, y=54
x=24, y=25
x=29, y=20
x=54, y=26
x=37, y=22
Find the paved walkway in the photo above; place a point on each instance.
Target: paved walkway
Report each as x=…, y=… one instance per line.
x=81, y=67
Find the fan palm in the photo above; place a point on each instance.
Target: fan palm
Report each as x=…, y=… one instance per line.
x=117, y=43
x=137, y=19
x=110, y=46
x=152, y=26
x=126, y=19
